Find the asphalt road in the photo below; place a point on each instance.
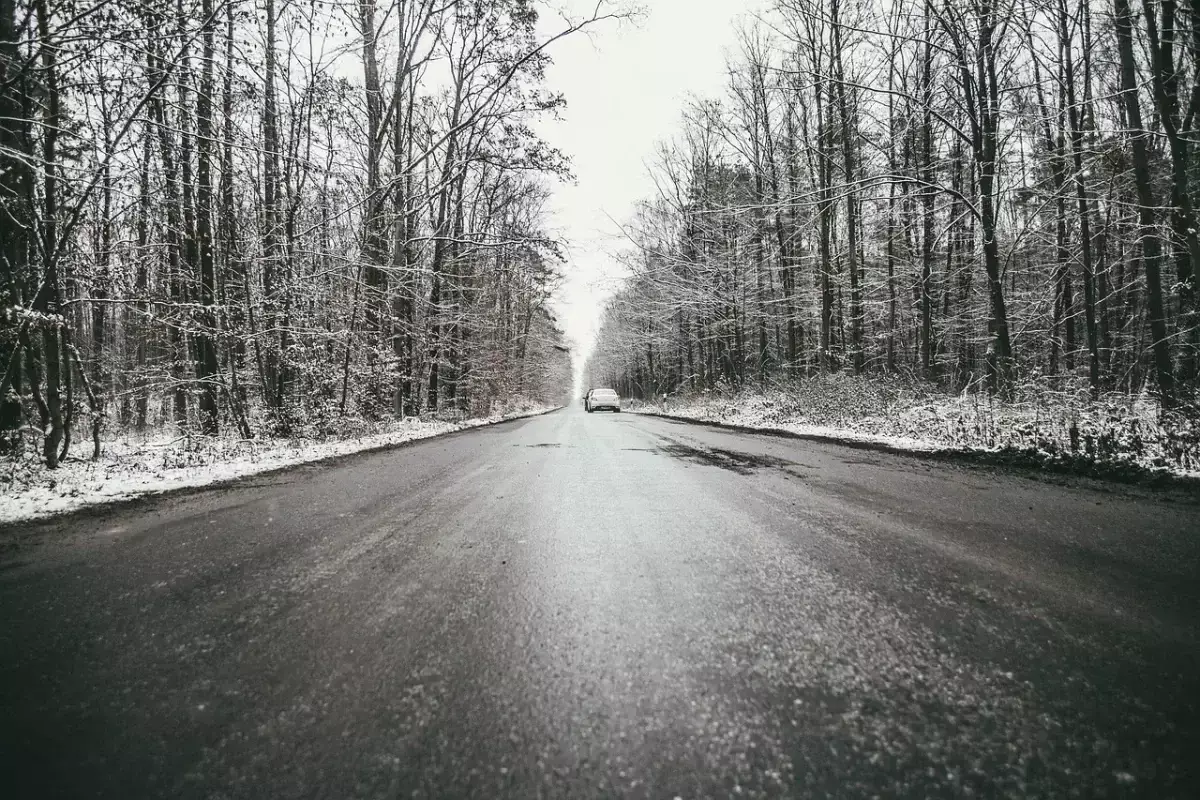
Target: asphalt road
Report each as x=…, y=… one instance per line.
x=599, y=605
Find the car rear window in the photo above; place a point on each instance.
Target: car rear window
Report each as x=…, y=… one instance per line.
x=603, y=394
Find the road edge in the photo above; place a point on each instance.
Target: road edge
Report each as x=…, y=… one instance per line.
x=116, y=505
x=1016, y=462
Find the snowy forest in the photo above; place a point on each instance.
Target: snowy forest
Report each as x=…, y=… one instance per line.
x=992, y=197
x=268, y=218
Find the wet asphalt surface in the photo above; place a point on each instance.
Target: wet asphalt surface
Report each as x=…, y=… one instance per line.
x=607, y=605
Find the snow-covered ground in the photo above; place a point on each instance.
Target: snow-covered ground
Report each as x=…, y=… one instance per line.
x=1114, y=432
x=134, y=467
x=757, y=417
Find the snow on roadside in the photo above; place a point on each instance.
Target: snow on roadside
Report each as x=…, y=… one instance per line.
x=747, y=418
x=1118, y=436
x=131, y=468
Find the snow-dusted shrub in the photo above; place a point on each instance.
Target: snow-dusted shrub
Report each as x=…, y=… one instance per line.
x=1052, y=421
x=138, y=464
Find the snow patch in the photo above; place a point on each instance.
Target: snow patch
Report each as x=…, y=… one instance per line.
x=133, y=467
x=1116, y=431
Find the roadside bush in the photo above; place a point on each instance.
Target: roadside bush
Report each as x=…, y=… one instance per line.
x=1049, y=421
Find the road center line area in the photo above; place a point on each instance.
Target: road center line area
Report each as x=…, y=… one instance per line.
x=598, y=605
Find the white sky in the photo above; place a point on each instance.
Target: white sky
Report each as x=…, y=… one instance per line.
x=626, y=87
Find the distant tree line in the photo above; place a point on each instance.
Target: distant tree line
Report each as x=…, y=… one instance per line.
x=267, y=216
x=977, y=193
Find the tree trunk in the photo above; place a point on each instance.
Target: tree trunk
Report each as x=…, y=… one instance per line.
x=206, y=356
x=17, y=192
x=270, y=360
x=927, y=202
x=1081, y=195
x=47, y=299
x=1151, y=245
x=848, y=161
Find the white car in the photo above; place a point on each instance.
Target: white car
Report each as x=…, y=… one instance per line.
x=598, y=399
